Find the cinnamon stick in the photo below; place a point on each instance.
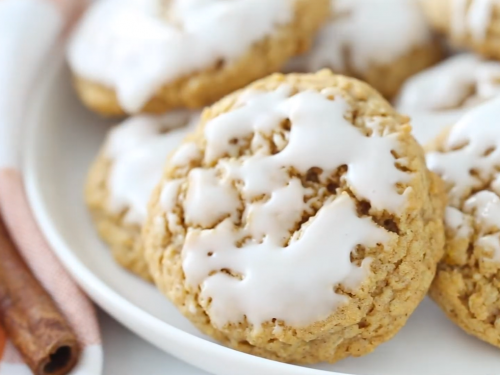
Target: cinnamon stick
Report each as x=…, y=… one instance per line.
x=30, y=317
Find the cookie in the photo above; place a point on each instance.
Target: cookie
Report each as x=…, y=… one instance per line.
x=473, y=24
x=129, y=56
x=439, y=96
x=467, y=284
x=299, y=222
x=123, y=176
x=382, y=42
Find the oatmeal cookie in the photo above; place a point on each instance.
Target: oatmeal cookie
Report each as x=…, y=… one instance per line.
x=129, y=56
x=123, y=176
x=382, y=42
x=467, y=284
x=299, y=222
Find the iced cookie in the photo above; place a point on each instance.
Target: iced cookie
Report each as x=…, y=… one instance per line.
x=467, y=284
x=123, y=176
x=468, y=23
x=299, y=222
x=439, y=96
x=129, y=56
x=382, y=42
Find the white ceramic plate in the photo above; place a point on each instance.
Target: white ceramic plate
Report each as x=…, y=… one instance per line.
x=62, y=141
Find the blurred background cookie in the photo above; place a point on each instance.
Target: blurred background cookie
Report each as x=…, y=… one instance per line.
x=467, y=284
x=382, y=42
x=123, y=176
x=439, y=96
x=129, y=56
x=474, y=24
x=303, y=226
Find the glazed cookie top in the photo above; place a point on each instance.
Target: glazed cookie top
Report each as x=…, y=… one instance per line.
x=372, y=31
x=460, y=81
x=137, y=46
x=472, y=17
x=137, y=150
x=286, y=171
x=468, y=158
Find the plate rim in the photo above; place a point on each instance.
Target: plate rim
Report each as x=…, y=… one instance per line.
x=103, y=295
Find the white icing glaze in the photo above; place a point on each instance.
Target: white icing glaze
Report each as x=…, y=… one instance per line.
x=495, y=185
x=209, y=199
x=270, y=219
x=295, y=283
x=169, y=193
x=439, y=96
x=471, y=17
x=192, y=308
x=185, y=154
x=132, y=47
x=458, y=222
x=371, y=170
x=479, y=134
x=492, y=243
x=488, y=80
x=374, y=32
x=135, y=131
x=478, y=18
x=459, y=81
x=277, y=330
x=138, y=149
x=485, y=206
x=279, y=272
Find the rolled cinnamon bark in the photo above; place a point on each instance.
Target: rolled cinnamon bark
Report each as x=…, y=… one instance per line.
x=30, y=317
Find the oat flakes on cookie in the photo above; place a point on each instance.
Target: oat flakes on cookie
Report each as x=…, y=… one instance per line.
x=473, y=24
x=129, y=56
x=123, y=176
x=467, y=284
x=305, y=226
x=382, y=42
x=439, y=96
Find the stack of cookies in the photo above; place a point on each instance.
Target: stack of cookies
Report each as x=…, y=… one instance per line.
x=293, y=215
